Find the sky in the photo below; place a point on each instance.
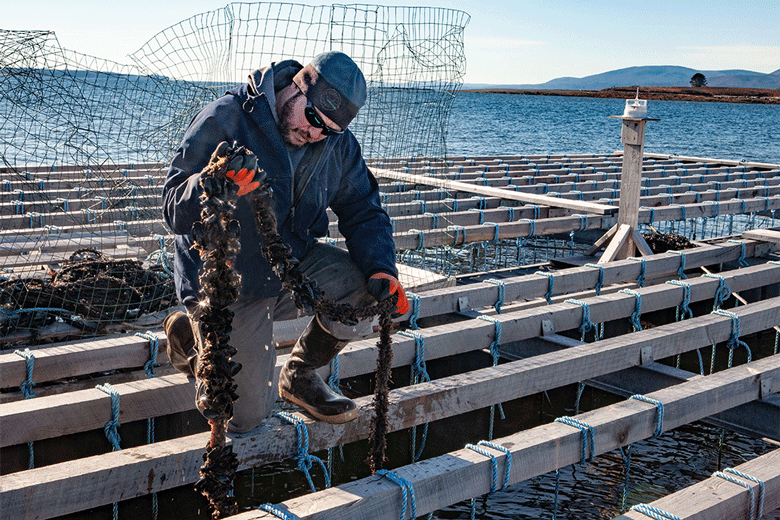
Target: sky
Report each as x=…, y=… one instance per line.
x=506, y=41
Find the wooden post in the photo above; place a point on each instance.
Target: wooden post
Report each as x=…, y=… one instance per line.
x=625, y=241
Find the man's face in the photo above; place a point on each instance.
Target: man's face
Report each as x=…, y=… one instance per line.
x=295, y=128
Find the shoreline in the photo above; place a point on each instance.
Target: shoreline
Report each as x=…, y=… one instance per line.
x=706, y=94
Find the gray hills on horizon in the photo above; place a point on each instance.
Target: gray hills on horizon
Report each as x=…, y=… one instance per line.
x=652, y=76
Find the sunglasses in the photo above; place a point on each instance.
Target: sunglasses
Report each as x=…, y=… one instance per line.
x=315, y=121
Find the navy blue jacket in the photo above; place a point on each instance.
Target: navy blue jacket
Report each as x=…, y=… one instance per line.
x=334, y=175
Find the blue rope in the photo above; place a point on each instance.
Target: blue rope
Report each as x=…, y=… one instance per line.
x=586, y=324
x=600, y=283
x=407, y=490
x=761, y=488
x=636, y=315
x=435, y=216
x=681, y=270
x=419, y=375
x=278, y=513
x=494, y=462
x=734, y=340
x=686, y=313
x=303, y=458
x=458, y=229
x=722, y=293
x=415, y=298
x=654, y=512
x=111, y=426
x=154, y=345
x=550, y=285
x=494, y=346
x=26, y=388
x=741, y=260
x=641, y=278
x=420, y=238
x=587, y=435
x=501, y=293
x=508, y=468
x=659, y=425
x=481, y=214
x=627, y=461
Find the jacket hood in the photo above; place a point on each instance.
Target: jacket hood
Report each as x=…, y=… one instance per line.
x=270, y=79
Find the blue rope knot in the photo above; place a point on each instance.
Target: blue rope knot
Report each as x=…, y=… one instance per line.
x=508, y=468
x=683, y=259
x=494, y=462
x=111, y=426
x=494, y=346
x=278, y=513
x=659, y=425
x=27, y=384
x=501, y=293
x=640, y=280
x=407, y=490
x=419, y=371
x=303, y=458
x=587, y=435
x=687, y=313
x=741, y=260
x=415, y=299
x=154, y=346
x=637, y=314
x=550, y=285
x=457, y=230
x=734, y=340
x=600, y=283
x=761, y=488
x=586, y=325
x=653, y=512
x=722, y=293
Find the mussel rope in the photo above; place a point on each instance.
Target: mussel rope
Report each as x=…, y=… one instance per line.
x=216, y=238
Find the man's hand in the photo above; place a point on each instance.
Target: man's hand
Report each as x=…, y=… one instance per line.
x=242, y=169
x=381, y=286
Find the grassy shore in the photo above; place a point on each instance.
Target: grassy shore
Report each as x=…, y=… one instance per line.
x=721, y=94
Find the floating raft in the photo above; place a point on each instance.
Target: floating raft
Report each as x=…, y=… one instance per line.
x=521, y=329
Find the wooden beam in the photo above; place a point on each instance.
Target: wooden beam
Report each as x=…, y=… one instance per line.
x=585, y=207
x=717, y=498
x=78, y=485
x=617, y=244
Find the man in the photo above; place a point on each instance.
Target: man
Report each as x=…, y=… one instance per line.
x=294, y=119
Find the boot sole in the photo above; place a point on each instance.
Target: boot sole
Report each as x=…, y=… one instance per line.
x=341, y=418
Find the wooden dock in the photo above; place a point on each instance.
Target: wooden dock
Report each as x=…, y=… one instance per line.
x=541, y=318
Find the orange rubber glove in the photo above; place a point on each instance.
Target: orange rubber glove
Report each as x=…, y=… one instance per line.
x=241, y=171
x=382, y=285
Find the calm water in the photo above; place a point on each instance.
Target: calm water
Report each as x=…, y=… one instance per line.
x=507, y=124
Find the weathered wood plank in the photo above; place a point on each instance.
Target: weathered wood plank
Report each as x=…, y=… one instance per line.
x=69, y=487
x=716, y=498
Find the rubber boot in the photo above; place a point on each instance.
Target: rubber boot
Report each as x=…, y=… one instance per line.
x=300, y=384
x=181, y=347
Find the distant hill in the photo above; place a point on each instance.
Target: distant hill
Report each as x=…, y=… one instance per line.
x=654, y=76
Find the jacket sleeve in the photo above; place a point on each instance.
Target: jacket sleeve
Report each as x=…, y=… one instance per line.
x=181, y=191
x=362, y=221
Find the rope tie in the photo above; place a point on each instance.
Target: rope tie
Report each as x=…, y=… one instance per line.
x=419, y=375
x=722, y=293
x=587, y=435
x=154, y=345
x=726, y=474
x=550, y=285
x=494, y=461
x=495, y=236
x=654, y=512
x=511, y=211
x=111, y=426
x=683, y=259
x=636, y=315
x=435, y=217
x=586, y=325
x=600, y=283
x=659, y=425
x=501, y=293
x=420, y=238
x=641, y=278
x=741, y=260
x=734, y=340
x=481, y=214
x=494, y=346
x=407, y=490
x=303, y=458
x=457, y=230
x=687, y=313
x=415, y=298
x=278, y=513
x=26, y=388
x=333, y=379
